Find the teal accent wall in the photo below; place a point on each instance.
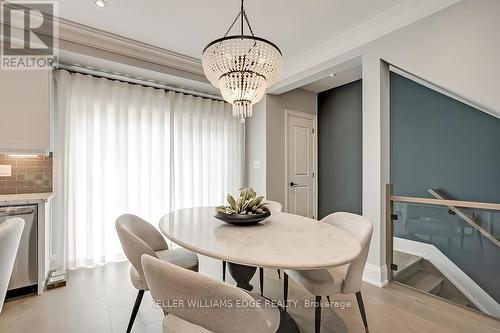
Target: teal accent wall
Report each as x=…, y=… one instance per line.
x=340, y=149
x=440, y=143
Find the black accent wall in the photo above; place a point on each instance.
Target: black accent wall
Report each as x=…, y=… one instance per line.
x=340, y=149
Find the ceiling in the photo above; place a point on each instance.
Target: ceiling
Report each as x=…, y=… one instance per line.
x=335, y=79
x=187, y=26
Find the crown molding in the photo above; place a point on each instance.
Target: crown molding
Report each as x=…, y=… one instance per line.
x=68, y=32
x=73, y=32
x=323, y=56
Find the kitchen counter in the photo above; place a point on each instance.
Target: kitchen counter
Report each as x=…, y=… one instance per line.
x=22, y=199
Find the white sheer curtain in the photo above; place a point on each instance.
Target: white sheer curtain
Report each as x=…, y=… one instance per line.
x=123, y=148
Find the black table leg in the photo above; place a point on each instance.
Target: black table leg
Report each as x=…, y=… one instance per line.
x=287, y=323
x=242, y=274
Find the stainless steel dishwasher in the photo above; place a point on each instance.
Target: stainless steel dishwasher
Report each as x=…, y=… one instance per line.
x=24, y=274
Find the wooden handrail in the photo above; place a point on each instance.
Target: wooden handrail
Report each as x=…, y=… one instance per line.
x=444, y=202
x=467, y=219
x=390, y=199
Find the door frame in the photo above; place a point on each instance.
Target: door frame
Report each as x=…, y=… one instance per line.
x=314, y=118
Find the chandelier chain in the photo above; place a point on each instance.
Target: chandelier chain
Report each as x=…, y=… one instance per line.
x=242, y=12
x=248, y=22
x=232, y=24
x=244, y=18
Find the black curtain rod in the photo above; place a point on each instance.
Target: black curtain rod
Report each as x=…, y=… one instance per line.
x=85, y=72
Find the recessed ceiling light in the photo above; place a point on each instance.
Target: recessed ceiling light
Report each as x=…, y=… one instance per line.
x=101, y=3
x=333, y=74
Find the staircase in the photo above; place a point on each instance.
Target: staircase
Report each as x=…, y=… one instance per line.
x=419, y=273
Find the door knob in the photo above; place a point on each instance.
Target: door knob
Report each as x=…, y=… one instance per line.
x=292, y=184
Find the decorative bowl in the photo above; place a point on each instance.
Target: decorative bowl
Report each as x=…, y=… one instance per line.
x=243, y=220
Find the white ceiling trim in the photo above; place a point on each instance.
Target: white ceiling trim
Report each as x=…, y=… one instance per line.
x=72, y=32
x=102, y=40
x=320, y=57
x=339, y=79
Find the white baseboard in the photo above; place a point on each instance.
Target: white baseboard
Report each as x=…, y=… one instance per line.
x=452, y=272
x=375, y=275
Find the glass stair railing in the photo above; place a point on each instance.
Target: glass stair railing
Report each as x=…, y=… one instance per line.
x=421, y=274
x=447, y=248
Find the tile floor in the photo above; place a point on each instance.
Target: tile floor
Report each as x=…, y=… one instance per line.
x=100, y=300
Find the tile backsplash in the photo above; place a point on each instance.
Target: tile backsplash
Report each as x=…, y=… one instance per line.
x=30, y=174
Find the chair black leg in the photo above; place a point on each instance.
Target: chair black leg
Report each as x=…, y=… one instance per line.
x=362, y=310
x=285, y=290
x=261, y=278
x=224, y=271
x=317, y=315
x=279, y=274
x=135, y=310
x=328, y=298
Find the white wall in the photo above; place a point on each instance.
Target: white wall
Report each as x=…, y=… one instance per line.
x=457, y=49
x=375, y=157
x=255, y=148
x=265, y=140
x=297, y=100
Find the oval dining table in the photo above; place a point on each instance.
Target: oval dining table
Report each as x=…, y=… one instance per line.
x=282, y=241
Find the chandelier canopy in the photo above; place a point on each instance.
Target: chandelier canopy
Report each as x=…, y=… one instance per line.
x=242, y=67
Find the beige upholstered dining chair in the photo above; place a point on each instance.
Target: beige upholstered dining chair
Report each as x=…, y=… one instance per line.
x=10, y=236
x=184, y=296
x=345, y=279
x=273, y=206
x=139, y=237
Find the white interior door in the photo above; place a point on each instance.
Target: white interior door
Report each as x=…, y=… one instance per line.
x=301, y=146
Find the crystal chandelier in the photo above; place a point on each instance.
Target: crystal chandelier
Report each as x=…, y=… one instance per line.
x=242, y=67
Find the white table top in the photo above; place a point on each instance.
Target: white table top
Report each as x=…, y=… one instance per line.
x=282, y=241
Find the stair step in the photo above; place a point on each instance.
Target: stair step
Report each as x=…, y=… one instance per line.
x=459, y=300
x=407, y=268
x=424, y=281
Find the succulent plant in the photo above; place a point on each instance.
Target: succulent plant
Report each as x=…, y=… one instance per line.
x=248, y=203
